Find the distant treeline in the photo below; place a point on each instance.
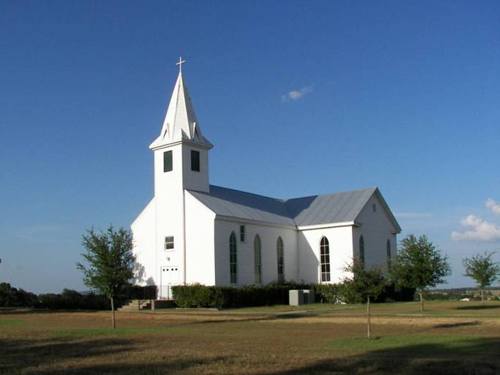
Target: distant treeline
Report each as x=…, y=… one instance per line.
x=68, y=299
x=455, y=294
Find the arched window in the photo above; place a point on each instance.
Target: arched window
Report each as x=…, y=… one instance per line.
x=233, y=259
x=362, y=250
x=281, y=259
x=257, y=251
x=389, y=255
x=325, y=259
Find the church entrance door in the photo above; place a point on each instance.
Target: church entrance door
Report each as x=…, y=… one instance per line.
x=169, y=276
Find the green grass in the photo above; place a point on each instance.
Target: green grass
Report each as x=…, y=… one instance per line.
x=10, y=323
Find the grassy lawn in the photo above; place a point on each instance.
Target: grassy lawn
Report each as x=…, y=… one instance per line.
x=449, y=338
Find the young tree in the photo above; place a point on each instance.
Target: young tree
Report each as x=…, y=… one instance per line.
x=483, y=270
x=110, y=261
x=419, y=265
x=364, y=283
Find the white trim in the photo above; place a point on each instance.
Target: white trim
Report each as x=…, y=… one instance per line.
x=235, y=219
x=330, y=225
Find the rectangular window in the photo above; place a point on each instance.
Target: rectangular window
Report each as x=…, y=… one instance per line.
x=169, y=242
x=195, y=160
x=167, y=161
x=242, y=233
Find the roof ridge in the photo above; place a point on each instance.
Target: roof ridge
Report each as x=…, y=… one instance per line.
x=329, y=194
x=249, y=193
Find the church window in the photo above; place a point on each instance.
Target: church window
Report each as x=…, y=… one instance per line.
x=242, y=233
x=195, y=160
x=388, y=246
x=167, y=161
x=281, y=260
x=169, y=242
x=374, y=207
x=233, y=259
x=362, y=250
x=257, y=249
x=325, y=259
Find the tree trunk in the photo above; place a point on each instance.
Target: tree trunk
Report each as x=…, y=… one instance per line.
x=113, y=323
x=482, y=296
x=368, y=320
x=421, y=301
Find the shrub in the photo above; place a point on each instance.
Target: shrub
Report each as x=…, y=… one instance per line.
x=197, y=295
x=328, y=293
x=140, y=292
x=73, y=300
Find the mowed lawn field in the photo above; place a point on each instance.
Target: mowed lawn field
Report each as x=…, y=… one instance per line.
x=449, y=338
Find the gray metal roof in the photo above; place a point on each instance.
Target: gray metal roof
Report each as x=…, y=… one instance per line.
x=331, y=208
x=243, y=205
x=314, y=210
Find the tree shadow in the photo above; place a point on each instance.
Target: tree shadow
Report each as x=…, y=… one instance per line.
x=476, y=356
x=457, y=324
x=31, y=356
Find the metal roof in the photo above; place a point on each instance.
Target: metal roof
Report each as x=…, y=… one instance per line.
x=243, y=205
x=313, y=210
x=331, y=208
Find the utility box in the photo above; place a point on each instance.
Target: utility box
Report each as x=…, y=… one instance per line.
x=297, y=297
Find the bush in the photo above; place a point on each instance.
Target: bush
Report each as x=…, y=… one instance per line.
x=224, y=297
x=73, y=300
x=328, y=293
x=140, y=292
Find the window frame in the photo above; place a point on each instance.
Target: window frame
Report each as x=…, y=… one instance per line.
x=280, y=255
x=389, y=253
x=243, y=233
x=324, y=253
x=195, y=161
x=168, y=161
x=169, y=243
x=257, y=253
x=233, y=259
x=362, y=255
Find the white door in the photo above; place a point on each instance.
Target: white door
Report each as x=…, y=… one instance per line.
x=169, y=276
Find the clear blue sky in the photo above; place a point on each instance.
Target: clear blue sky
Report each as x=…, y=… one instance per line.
x=298, y=97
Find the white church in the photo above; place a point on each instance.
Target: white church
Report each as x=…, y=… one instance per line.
x=194, y=232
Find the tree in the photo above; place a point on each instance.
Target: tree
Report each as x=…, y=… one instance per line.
x=365, y=284
x=483, y=270
x=420, y=265
x=110, y=261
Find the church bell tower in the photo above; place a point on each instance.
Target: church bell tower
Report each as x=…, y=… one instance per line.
x=180, y=164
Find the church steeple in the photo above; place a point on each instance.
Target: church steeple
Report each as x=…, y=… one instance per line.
x=180, y=123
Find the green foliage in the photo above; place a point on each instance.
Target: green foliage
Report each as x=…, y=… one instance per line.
x=13, y=297
x=419, y=264
x=197, y=295
x=364, y=282
x=344, y=293
x=109, y=260
x=329, y=293
x=73, y=300
x=482, y=269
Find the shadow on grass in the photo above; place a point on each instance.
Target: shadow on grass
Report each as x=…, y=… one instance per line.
x=64, y=356
x=457, y=324
x=476, y=356
x=478, y=307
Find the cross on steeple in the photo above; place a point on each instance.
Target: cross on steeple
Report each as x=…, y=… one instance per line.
x=181, y=61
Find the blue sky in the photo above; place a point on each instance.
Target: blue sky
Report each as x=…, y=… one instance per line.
x=298, y=97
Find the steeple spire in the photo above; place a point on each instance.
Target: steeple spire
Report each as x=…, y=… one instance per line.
x=180, y=123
